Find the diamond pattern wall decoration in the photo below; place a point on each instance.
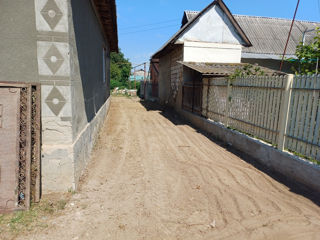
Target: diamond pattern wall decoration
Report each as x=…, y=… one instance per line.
x=53, y=59
x=51, y=13
x=55, y=101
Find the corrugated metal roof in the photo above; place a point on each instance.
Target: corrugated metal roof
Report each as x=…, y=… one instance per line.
x=269, y=35
x=191, y=14
x=223, y=69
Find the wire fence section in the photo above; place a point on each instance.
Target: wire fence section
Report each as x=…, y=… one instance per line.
x=281, y=110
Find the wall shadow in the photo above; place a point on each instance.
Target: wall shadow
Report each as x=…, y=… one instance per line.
x=89, y=43
x=176, y=119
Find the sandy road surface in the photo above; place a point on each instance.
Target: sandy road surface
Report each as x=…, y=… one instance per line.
x=153, y=179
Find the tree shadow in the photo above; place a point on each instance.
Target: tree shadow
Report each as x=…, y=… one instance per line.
x=295, y=187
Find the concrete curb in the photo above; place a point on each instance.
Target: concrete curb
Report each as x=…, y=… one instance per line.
x=285, y=163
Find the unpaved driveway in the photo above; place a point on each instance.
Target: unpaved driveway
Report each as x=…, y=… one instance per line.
x=152, y=179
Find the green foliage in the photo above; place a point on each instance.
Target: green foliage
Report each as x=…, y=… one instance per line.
x=120, y=69
x=247, y=70
x=138, y=85
x=307, y=55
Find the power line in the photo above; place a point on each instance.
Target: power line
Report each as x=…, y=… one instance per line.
x=150, y=29
x=151, y=24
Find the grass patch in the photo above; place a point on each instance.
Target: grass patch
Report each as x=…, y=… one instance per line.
x=14, y=224
x=276, y=145
x=305, y=157
x=72, y=191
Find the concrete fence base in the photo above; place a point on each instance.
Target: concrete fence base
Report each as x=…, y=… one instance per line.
x=291, y=166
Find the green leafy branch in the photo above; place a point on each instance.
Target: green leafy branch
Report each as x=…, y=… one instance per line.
x=247, y=70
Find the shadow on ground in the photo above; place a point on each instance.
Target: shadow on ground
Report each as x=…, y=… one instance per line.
x=293, y=186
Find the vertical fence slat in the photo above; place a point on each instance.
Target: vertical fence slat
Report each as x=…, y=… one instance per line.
x=281, y=110
x=301, y=145
x=300, y=85
x=257, y=104
x=307, y=123
x=269, y=110
x=315, y=116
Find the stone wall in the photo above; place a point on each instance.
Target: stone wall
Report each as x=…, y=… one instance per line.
x=176, y=70
x=164, y=79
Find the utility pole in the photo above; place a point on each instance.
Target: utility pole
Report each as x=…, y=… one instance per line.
x=145, y=71
x=145, y=80
x=134, y=73
x=285, y=49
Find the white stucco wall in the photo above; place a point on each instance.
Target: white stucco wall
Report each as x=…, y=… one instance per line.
x=211, y=52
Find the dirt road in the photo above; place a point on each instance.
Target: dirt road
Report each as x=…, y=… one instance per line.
x=152, y=178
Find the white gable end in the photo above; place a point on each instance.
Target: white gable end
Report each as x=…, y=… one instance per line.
x=214, y=27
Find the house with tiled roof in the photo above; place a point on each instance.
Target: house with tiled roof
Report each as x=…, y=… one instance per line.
x=268, y=37
x=216, y=37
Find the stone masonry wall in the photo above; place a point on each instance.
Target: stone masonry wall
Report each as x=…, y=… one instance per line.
x=176, y=70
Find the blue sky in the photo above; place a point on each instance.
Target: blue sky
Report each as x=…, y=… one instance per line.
x=144, y=26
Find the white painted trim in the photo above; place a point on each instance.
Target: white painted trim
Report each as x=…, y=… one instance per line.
x=212, y=45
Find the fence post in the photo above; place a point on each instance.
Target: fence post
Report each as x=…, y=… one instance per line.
x=284, y=111
x=228, y=100
x=208, y=96
x=204, y=104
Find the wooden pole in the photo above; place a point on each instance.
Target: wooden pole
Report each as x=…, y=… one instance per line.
x=134, y=73
x=285, y=49
x=145, y=71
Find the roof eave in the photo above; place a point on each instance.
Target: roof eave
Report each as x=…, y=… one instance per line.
x=106, y=12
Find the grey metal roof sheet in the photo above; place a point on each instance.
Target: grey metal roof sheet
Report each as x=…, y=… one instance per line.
x=191, y=14
x=269, y=35
x=223, y=69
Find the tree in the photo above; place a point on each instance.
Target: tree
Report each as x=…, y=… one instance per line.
x=308, y=56
x=120, y=69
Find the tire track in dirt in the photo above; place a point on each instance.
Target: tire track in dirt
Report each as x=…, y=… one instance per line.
x=243, y=171
x=177, y=155
x=151, y=178
x=276, y=207
x=233, y=200
x=202, y=156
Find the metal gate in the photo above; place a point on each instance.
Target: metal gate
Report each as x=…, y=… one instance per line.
x=192, y=97
x=19, y=146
